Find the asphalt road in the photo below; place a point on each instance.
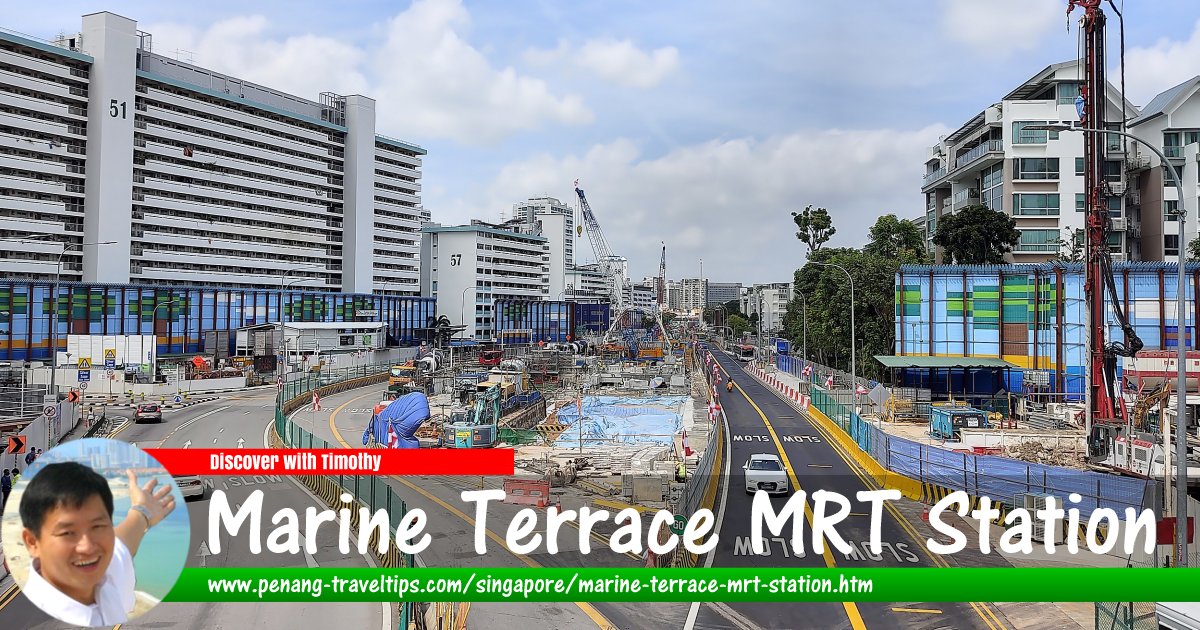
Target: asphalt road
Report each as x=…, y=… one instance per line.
x=223, y=423
x=817, y=465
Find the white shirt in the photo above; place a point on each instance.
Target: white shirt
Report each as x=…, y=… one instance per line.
x=114, y=596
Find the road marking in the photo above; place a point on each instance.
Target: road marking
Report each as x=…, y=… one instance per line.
x=982, y=609
x=927, y=611
x=820, y=465
x=600, y=620
x=190, y=423
x=856, y=620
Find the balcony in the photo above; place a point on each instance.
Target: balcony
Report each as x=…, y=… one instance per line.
x=1174, y=154
x=1119, y=224
x=964, y=198
x=933, y=177
x=1137, y=163
x=991, y=146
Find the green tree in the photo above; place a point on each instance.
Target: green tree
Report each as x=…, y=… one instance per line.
x=1194, y=250
x=733, y=307
x=816, y=227
x=976, y=235
x=1071, y=248
x=891, y=236
x=739, y=325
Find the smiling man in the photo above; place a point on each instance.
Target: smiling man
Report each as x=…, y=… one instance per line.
x=82, y=569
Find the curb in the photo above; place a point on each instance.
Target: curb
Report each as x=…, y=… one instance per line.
x=171, y=405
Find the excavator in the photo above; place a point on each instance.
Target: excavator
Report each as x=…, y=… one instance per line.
x=1155, y=397
x=475, y=428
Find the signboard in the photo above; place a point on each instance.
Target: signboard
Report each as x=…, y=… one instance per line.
x=84, y=376
x=50, y=411
x=678, y=525
x=16, y=445
x=84, y=363
x=367, y=313
x=783, y=346
x=178, y=398
x=83, y=385
x=110, y=358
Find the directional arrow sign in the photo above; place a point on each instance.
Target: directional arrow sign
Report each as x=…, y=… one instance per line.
x=308, y=559
x=203, y=553
x=16, y=445
x=241, y=441
x=187, y=444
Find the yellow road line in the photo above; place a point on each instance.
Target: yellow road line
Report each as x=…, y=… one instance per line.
x=600, y=620
x=982, y=609
x=856, y=620
x=927, y=611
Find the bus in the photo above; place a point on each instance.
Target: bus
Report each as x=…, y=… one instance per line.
x=744, y=352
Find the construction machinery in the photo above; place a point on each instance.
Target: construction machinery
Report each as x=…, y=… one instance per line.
x=415, y=375
x=474, y=428
x=608, y=265
x=947, y=422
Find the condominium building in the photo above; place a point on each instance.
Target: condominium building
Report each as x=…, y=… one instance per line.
x=587, y=282
x=1171, y=123
x=693, y=294
x=1034, y=176
x=133, y=167
x=644, y=294
x=467, y=268
x=723, y=292
x=531, y=208
x=770, y=301
x=674, y=295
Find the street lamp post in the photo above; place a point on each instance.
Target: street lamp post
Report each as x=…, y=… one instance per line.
x=462, y=312
x=54, y=315
x=1181, y=495
x=853, y=355
x=282, y=289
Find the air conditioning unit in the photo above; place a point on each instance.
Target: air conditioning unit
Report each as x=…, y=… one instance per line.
x=1116, y=189
x=1118, y=224
x=1032, y=503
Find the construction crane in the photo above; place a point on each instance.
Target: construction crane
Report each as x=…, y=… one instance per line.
x=662, y=280
x=1091, y=106
x=604, y=255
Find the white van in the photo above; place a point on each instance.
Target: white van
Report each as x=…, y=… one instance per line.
x=1178, y=615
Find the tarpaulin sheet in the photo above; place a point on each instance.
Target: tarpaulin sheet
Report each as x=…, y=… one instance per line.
x=609, y=420
x=405, y=414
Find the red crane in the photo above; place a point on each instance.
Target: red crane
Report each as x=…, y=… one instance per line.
x=1091, y=106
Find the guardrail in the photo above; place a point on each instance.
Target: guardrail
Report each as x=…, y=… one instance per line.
x=367, y=491
x=700, y=490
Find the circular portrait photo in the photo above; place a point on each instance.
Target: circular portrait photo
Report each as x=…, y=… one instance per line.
x=95, y=532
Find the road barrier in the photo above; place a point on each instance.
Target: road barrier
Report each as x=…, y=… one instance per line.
x=368, y=491
x=700, y=490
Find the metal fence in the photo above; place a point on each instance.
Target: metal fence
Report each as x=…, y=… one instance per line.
x=1001, y=479
x=700, y=490
x=367, y=491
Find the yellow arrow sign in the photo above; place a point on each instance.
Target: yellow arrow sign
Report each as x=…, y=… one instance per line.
x=85, y=363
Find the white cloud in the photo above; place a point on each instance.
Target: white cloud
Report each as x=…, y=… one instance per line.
x=727, y=201
x=1152, y=69
x=426, y=78
x=1002, y=28
x=619, y=62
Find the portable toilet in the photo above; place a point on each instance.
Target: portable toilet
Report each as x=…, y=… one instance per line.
x=947, y=422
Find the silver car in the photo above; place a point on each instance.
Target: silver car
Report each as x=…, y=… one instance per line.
x=190, y=486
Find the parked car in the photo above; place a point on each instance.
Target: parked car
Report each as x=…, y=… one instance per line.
x=190, y=486
x=765, y=472
x=147, y=413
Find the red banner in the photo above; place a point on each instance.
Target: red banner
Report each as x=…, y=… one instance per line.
x=375, y=461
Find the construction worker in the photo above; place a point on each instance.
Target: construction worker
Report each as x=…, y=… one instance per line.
x=729, y=386
x=680, y=472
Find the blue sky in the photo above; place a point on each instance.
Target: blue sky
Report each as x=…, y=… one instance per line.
x=702, y=124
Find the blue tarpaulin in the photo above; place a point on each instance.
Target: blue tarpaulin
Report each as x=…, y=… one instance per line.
x=611, y=420
x=405, y=415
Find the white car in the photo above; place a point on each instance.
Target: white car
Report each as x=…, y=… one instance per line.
x=190, y=486
x=765, y=472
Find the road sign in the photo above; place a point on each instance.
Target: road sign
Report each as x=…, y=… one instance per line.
x=85, y=363
x=73, y=397
x=16, y=445
x=84, y=376
x=108, y=372
x=83, y=385
x=178, y=398
x=110, y=358
x=678, y=525
x=50, y=411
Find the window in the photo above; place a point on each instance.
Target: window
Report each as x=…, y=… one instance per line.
x=1112, y=170
x=1036, y=168
x=1170, y=245
x=1038, y=241
x=1079, y=167
x=1170, y=210
x=1067, y=93
x=1080, y=202
x=1031, y=136
x=1035, y=204
x=764, y=464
